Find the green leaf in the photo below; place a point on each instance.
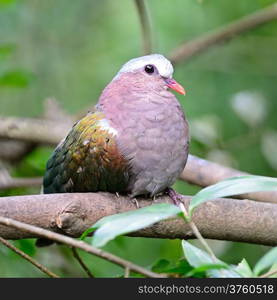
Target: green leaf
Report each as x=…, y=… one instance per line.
x=266, y=261
x=233, y=186
x=273, y=269
x=182, y=267
x=34, y=163
x=27, y=246
x=205, y=268
x=16, y=78
x=198, y=258
x=112, y=226
x=161, y=266
x=6, y=50
x=6, y=1
x=37, y=159
x=244, y=269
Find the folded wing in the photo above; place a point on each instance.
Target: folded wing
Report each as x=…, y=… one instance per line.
x=87, y=160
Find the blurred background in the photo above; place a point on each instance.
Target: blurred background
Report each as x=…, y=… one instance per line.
x=70, y=50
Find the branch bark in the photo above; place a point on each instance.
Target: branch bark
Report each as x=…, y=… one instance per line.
x=204, y=173
x=12, y=151
x=71, y=214
x=194, y=47
x=33, y=130
x=13, y=182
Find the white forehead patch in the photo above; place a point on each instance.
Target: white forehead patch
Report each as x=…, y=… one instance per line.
x=163, y=65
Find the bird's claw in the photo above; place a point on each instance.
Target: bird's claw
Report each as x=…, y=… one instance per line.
x=135, y=201
x=174, y=196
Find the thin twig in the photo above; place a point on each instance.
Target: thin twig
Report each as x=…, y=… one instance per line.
x=127, y=272
x=145, y=26
x=78, y=244
x=28, y=258
x=83, y=265
x=268, y=274
x=185, y=51
x=197, y=232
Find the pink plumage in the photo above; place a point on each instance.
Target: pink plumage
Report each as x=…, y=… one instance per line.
x=136, y=142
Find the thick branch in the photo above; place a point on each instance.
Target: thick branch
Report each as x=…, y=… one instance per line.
x=188, y=49
x=13, y=182
x=204, y=173
x=13, y=151
x=33, y=130
x=71, y=214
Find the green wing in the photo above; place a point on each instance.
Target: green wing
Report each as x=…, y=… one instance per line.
x=87, y=160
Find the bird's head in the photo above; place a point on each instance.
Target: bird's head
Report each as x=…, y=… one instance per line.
x=153, y=70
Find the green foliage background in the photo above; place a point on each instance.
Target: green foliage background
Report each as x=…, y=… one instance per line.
x=71, y=49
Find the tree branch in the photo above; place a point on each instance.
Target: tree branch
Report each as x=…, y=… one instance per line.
x=8, y=182
x=13, y=182
x=269, y=274
x=72, y=214
x=80, y=261
x=145, y=26
x=30, y=229
x=28, y=258
x=13, y=151
x=194, y=47
x=204, y=173
x=33, y=130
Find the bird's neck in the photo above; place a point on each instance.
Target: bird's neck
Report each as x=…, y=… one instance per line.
x=128, y=96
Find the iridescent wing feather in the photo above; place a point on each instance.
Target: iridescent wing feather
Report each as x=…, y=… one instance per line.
x=88, y=160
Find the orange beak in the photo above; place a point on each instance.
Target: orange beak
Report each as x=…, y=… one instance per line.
x=171, y=83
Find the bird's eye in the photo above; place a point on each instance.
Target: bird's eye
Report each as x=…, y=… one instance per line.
x=149, y=69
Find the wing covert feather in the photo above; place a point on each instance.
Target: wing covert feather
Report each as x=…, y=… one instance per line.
x=87, y=160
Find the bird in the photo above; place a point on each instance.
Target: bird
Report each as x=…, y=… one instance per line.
x=135, y=141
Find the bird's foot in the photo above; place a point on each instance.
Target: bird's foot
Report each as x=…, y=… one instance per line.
x=174, y=196
x=135, y=201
